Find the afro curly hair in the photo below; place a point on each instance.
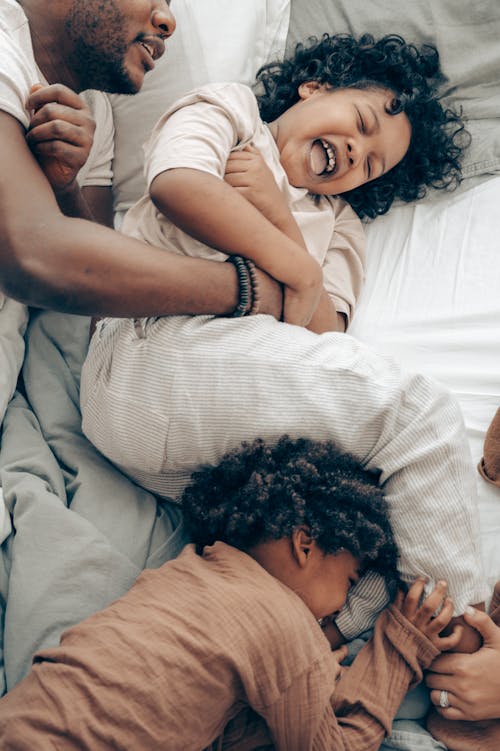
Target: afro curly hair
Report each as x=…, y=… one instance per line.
x=261, y=492
x=438, y=135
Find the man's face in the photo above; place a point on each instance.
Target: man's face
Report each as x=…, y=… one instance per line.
x=114, y=43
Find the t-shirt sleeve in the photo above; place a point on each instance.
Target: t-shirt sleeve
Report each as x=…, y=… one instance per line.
x=98, y=170
x=17, y=76
x=201, y=129
x=344, y=264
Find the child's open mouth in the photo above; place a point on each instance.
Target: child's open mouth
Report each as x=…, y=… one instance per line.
x=323, y=157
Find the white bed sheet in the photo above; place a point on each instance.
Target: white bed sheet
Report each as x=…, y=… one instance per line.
x=432, y=299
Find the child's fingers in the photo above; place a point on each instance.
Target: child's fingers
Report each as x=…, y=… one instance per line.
x=399, y=599
x=443, y=618
x=431, y=604
x=446, y=643
x=251, y=149
x=236, y=179
x=340, y=653
x=237, y=166
x=413, y=597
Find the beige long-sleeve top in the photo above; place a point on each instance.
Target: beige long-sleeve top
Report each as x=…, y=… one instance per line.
x=199, y=132
x=200, y=642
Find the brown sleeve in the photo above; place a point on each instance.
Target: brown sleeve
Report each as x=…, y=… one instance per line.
x=314, y=715
x=369, y=693
x=489, y=466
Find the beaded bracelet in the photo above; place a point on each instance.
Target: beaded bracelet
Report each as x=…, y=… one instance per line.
x=254, y=286
x=245, y=287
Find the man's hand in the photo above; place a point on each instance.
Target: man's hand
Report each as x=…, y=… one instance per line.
x=471, y=680
x=61, y=134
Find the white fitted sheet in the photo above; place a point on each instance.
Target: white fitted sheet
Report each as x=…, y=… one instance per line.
x=432, y=299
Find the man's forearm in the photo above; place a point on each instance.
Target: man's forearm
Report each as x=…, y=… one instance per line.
x=80, y=267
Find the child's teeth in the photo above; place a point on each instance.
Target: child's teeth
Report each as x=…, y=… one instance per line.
x=330, y=154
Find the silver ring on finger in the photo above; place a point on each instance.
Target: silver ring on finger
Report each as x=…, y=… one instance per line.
x=444, y=699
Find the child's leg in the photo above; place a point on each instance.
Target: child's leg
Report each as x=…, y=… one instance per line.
x=181, y=393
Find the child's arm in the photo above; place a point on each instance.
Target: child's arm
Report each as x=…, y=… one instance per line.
x=248, y=172
x=210, y=210
x=365, y=700
x=405, y=641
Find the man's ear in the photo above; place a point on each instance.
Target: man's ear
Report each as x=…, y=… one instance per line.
x=302, y=545
x=308, y=88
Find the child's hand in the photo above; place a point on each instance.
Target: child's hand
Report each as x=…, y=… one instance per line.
x=338, y=656
x=61, y=134
x=248, y=173
x=423, y=616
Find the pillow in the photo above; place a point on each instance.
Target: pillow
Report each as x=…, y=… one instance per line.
x=215, y=40
x=466, y=36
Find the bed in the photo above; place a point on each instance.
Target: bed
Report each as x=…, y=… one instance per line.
x=75, y=531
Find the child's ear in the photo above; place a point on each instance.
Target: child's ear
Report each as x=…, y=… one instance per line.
x=302, y=545
x=308, y=88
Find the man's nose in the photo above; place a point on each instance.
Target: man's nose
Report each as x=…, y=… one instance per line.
x=163, y=19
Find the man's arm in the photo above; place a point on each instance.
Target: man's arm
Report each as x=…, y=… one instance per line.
x=52, y=261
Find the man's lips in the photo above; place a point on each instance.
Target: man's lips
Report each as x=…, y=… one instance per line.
x=152, y=47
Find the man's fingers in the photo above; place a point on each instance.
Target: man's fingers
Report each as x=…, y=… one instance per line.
x=57, y=92
x=68, y=156
x=59, y=131
x=60, y=113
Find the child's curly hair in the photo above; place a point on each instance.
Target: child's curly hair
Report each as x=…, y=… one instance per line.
x=438, y=136
x=261, y=492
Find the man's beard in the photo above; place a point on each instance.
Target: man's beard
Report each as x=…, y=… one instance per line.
x=97, y=30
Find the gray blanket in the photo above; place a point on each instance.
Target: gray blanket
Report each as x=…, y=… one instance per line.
x=82, y=531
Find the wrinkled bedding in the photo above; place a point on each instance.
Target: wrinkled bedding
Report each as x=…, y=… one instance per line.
x=83, y=532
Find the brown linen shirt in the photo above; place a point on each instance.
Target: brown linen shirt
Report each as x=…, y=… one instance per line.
x=199, y=643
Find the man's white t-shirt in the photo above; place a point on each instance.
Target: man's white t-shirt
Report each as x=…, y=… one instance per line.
x=18, y=73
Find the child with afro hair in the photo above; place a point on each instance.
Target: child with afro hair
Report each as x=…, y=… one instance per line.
x=223, y=647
